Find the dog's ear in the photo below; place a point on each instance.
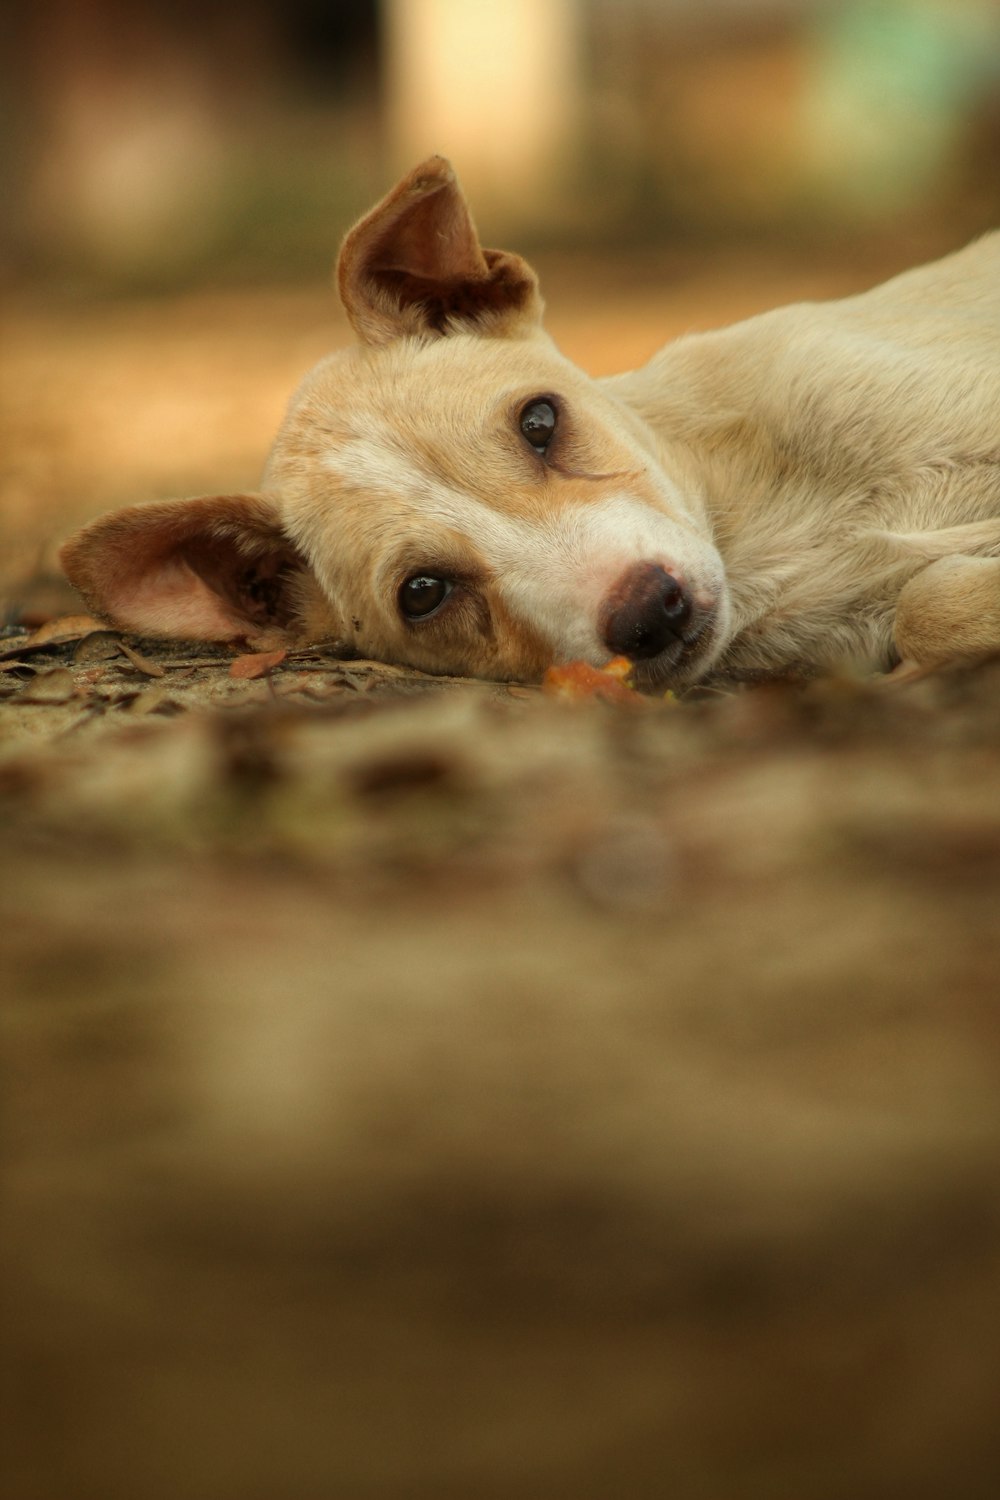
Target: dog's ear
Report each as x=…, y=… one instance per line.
x=217, y=568
x=414, y=265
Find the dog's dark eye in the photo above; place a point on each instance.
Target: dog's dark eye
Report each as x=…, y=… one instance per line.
x=420, y=596
x=538, y=423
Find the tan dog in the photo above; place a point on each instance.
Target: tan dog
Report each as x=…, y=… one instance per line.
x=815, y=486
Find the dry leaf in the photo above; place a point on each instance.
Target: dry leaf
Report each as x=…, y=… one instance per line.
x=141, y=663
x=97, y=645
x=256, y=663
x=65, y=628
x=55, y=686
x=152, y=700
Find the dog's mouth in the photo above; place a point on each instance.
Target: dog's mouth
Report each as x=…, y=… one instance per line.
x=684, y=660
x=665, y=624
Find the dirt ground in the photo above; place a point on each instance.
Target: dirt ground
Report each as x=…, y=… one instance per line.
x=420, y=1088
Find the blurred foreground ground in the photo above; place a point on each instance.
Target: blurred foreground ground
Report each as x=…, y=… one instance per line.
x=420, y=1089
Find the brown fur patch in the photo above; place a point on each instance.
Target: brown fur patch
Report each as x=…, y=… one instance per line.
x=523, y=654
x=414, y=265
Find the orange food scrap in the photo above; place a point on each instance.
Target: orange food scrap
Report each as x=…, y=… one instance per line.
x=578, y=680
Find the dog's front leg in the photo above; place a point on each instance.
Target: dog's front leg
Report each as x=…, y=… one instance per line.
x=948, y=612
x=974, y=539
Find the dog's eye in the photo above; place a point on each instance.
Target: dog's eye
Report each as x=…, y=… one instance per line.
x=538, y=423
x=421, y=595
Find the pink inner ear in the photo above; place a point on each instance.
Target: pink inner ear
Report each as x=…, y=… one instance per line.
x=170, y=599
x=217, y=568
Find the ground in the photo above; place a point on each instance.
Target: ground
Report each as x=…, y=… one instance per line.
x=432, y=1088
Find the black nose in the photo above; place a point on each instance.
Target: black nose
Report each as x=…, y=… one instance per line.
x=646, y=612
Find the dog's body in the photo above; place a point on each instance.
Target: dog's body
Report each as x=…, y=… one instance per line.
x=816, y=486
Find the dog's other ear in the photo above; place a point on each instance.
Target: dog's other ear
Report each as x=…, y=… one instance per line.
x=218, y=568
x=414, y=265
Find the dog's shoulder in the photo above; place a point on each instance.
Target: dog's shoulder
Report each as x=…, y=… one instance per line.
x=967, y=279
x=917, y=326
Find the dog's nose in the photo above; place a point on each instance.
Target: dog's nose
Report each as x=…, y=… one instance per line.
x=646, y=612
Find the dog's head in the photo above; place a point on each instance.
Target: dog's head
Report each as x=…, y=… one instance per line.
x=450, y=493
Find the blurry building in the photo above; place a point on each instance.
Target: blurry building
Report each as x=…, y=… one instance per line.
x=498, y=87
x=151, y=141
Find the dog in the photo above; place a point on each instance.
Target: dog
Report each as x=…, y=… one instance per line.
x=813, y=488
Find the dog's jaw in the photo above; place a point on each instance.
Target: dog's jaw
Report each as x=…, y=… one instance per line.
x=695, y=655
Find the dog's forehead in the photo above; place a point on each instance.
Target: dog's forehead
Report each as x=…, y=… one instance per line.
x=416, y=447
x=418, y=396
x=394, y=421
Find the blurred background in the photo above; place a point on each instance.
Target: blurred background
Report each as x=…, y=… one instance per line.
x=150, y=144
x=176, y=179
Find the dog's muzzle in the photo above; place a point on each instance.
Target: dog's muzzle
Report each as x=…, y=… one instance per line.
x=648, y=613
